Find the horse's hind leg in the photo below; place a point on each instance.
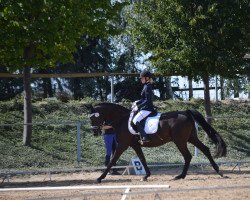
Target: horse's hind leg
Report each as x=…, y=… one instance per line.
x=205, y=150
x=141, y=156
x=187, y=157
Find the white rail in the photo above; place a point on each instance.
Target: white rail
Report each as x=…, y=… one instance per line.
x=83, y=187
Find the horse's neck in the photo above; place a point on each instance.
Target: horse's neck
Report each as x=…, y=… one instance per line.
x=113, y=113
x=116, y=117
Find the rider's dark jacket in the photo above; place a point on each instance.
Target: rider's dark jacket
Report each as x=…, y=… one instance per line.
x=146, y=103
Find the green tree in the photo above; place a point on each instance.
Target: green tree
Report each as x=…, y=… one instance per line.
x=193, y=38
x=126, y=62
x=97, y=56
x=40, y=34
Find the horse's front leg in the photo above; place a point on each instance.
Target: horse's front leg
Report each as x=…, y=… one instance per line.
x=141, y=156
x=118, y=152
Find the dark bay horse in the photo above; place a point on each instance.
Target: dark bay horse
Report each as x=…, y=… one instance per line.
x=177, y=126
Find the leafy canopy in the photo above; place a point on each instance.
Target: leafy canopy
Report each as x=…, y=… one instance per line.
x=50, y=29
x=192, y=37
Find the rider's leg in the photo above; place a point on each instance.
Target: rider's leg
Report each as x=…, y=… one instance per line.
x=139, y=122
x=143, y=134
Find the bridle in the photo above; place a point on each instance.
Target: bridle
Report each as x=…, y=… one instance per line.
x=96, y=114
x=96, y=127
x=102, y=125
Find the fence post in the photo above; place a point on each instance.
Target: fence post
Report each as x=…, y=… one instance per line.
x=78, y=128
x=112, y=89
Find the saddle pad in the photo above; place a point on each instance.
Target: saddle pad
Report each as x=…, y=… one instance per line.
x=151, y=125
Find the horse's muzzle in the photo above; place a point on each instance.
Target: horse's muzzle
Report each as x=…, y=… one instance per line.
x=95, y=127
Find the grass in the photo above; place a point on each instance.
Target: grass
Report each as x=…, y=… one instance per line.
x=54, y=145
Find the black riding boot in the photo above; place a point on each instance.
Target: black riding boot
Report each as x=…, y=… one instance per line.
x=144, y=136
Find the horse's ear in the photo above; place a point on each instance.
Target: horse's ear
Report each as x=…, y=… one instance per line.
x=89, y=107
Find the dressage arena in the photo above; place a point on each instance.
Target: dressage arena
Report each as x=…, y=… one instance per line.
x=200, y=183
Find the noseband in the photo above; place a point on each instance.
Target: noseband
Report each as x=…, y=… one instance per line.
x=102, y=126
x=97, y=127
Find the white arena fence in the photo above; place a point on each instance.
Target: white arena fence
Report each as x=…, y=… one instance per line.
x=154, y=192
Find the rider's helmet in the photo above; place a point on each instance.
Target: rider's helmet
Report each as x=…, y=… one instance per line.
x=146, y=73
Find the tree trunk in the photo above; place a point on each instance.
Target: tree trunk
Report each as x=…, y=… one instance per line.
x=222, y=93
x=207, y=98
x=162, y=89
x=190, y=88
x=49, y=87
x=169, y=91
x=9, y=89
x=27, y=129
x=45, y=89
x=236, y=86
x=46, y=84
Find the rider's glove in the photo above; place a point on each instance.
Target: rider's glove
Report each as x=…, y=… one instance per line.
x=134, y=107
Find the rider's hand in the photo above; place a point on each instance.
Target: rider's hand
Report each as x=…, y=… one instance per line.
x=135, y=108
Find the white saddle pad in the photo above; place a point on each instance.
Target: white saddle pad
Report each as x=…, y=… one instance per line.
x=151, y=125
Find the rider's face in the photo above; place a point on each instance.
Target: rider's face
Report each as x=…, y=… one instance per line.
x=143, y=80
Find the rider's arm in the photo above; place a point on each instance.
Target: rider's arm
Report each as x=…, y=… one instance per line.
x=148, y=96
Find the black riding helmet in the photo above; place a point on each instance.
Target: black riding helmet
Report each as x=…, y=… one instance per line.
x=146, y=73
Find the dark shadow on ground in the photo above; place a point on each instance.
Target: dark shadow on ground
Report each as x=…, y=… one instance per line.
x=60, y=183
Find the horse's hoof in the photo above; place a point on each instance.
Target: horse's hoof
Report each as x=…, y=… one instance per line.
x=220, y=173
x=144, y=179
x=178, y=177
x=98, y=180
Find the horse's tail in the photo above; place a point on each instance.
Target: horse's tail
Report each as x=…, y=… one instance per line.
x=221, y=147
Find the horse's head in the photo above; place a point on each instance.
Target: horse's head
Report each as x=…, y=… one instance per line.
x=104, y=114
x=96, y=119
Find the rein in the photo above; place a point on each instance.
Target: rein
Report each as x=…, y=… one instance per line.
x=101, y=126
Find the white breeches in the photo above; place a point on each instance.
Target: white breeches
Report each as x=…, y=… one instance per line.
x=140, y=116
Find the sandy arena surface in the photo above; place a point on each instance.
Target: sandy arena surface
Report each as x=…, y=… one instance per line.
x=236, y=185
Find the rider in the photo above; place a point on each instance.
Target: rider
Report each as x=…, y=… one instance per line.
x=144, y=105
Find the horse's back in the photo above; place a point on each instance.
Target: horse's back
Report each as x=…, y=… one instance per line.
x=179, y=125
x=174, y=115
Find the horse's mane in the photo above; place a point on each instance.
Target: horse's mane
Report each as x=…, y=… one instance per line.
x=113, y=105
